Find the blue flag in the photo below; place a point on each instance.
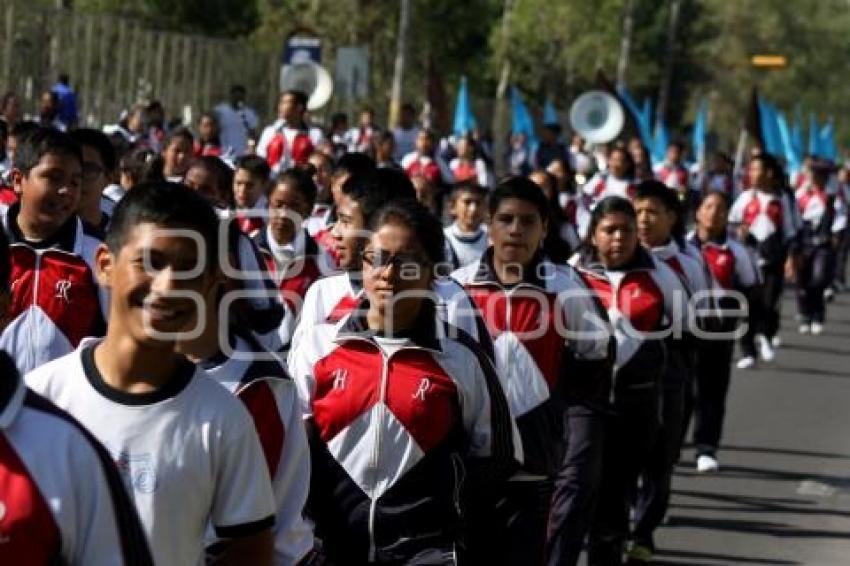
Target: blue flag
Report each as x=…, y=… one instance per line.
x=700, y=131
x=814, y=138
x=792, y=156
x=827, y=141
x=642, y=117
x=464, y=119
x=660, y=142
x=521, y=122
x=550, y=115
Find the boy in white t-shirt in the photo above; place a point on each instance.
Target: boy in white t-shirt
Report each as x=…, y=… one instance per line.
x=186, y=447
x=466, y=238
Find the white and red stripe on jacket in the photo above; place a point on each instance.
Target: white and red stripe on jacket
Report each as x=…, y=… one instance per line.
x=261, y=382
x=55, y=300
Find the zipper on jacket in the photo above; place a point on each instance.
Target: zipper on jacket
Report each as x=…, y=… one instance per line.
x=34, y=347
x=376, y=450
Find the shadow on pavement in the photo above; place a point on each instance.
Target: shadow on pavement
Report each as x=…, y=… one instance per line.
x=756, y=527
x=669, y=556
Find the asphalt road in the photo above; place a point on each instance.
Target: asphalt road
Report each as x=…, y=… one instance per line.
x=783, y=493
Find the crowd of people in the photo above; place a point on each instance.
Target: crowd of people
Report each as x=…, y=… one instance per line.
x=355, y=345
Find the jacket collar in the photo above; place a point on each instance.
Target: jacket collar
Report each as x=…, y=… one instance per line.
x=426, y=332
x=641, y=262
x=64, y=239
x=531, y=274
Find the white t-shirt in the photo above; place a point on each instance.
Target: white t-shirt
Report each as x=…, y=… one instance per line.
x=233, y=125
x=188, y=453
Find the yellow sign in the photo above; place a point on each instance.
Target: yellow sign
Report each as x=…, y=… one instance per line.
x=772, y=61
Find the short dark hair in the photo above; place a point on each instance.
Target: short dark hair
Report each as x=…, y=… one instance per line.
x=661, y=192
x=179, y=132
x=299, y=95
x=238, y=88
x=355, y=164
x=376, y=190
x=468, y=186
x=143, y=165
x=419, y=220
x=301, y=179
x=255, y=165
x=223, y=175
x=520, y=188
x=609, y=205
x=41, y=141
x=170, y=205
x=100, y=142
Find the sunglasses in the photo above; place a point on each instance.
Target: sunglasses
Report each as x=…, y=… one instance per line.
x=380, y=259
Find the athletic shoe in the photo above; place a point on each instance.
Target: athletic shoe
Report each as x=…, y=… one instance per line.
x=707, y=464
x=776, y=342
x=804, y=328
x=817, y=328
x=747, y=362
x=828, y=294
x=766, y=352
x=639, y=554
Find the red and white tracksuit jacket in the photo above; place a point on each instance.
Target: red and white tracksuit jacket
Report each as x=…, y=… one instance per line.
x=543, y=329
x=395, y=427
x=770, y=218
x=309, y=264
x=55, y=300
x=674, y=176
x=733, y=267
x=642, y=298
x=432, y=168
x=64, y=501
x=271, y=397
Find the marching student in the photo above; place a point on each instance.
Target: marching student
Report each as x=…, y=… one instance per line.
x=55, y=301
x=646, y=303
x=764, y=221
x=331, y=298
x=98, y=166
x=672, y=172
x=235, y=359
x=250, y=180
x=292, y=256
x=617, y=179
x=424, y=161
x=734, y=269
x=238, y=122
x=383, y=147
x=290, y=140
x=659, y=213
x=466, y=237
x=394, y=380
x=359, y=139
x=815, y=262
x=467, y=166
x=561, y=237
x=208, y=142
x=63, y=498
x=553, y=357
x=140, y=166
x=186, y=447
x=176, y=154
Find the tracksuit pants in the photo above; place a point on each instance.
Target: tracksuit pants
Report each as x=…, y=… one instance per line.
x=814, y=275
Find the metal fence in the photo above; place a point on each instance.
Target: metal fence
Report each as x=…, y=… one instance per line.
x=114, y=62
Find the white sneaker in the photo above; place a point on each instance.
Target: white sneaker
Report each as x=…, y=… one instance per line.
x=804, y=328
x=766, y=352
x=776, y=342
x=828, y=294
x=707, y=464
x=817, y=328
x=747, y=362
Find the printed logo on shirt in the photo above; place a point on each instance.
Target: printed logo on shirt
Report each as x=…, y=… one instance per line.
x=340, y=376
x=138, y=471
x=424, y=387
x=62, y=288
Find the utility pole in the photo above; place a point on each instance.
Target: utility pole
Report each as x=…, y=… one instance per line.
x=625, y=42
x=398, y=74
x=499, y=124
x=670, y=59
